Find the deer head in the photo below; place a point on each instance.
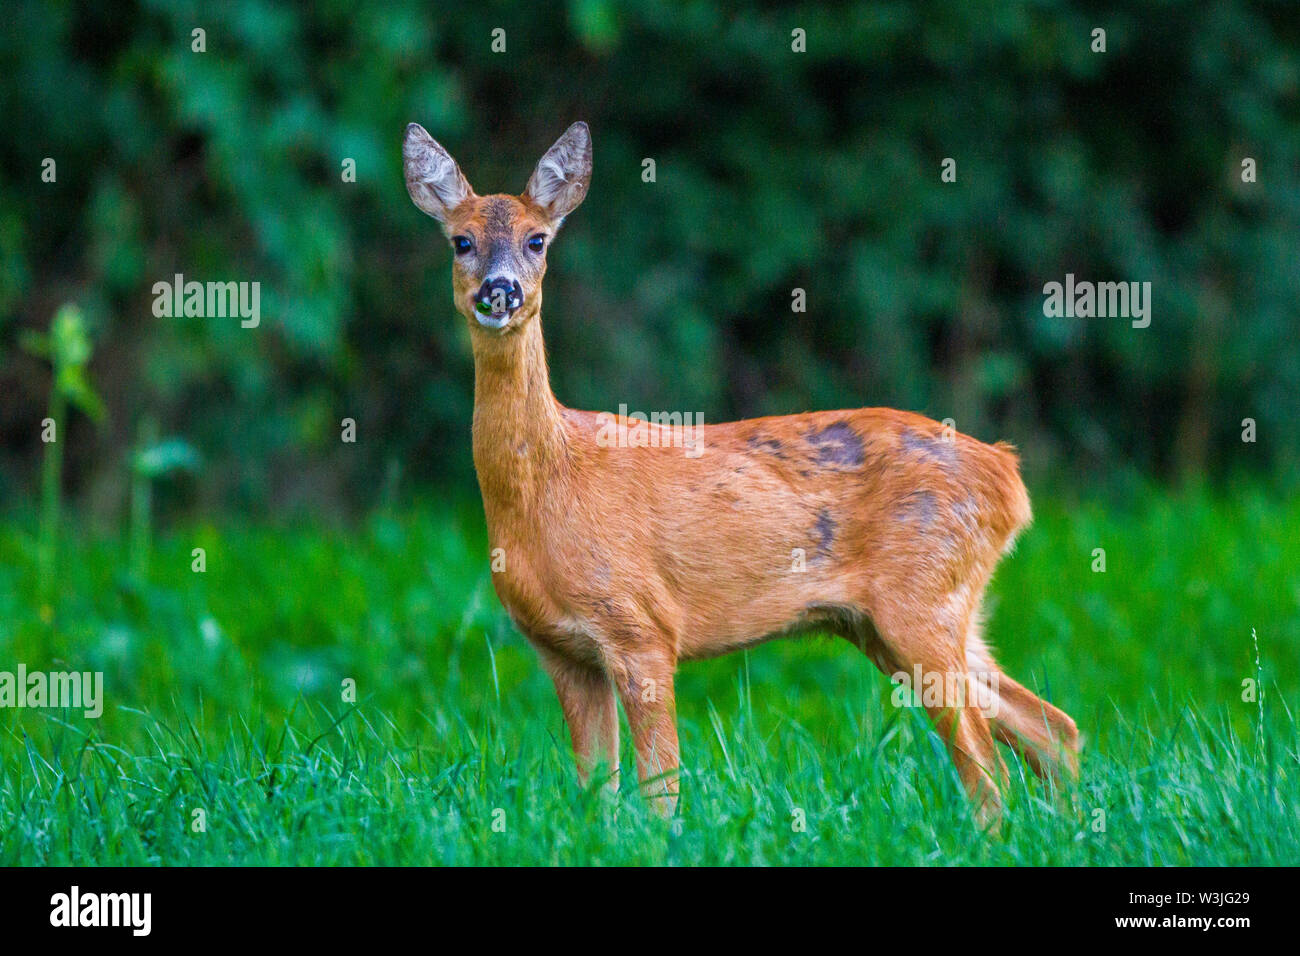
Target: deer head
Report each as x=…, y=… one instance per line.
x=499, y=242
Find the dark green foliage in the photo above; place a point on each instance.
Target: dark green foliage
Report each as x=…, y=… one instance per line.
x=775, y=170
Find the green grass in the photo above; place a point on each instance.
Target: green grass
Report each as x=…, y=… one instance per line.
x=223, y=693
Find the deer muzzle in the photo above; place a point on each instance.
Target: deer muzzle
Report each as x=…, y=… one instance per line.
x=497, y=300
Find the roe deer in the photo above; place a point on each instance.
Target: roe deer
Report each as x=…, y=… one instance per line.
x=621, y=561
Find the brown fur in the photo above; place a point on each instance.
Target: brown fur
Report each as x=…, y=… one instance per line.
x=621, y=562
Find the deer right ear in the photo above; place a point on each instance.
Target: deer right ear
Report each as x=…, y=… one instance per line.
x=433, y=179
x=560, y=181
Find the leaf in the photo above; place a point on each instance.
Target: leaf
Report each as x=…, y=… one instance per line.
x=70, y=344
x=72, y=383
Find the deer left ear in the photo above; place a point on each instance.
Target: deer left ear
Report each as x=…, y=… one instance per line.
x=560, y=181
x=433, y=179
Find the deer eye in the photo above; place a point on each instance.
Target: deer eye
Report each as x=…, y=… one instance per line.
x=537, y=243
x=461, y=244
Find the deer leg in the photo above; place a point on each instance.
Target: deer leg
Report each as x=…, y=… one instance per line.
x=645, y=686
x=1044, y=736
x=970, y=743
x=936, y=656
x=587, y=699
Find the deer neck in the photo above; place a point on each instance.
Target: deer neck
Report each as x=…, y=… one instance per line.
x=519, y=435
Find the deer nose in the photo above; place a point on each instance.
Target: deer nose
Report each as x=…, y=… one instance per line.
x=498, y=296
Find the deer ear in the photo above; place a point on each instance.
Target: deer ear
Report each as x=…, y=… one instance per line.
x=433, y=179
x=560, y=181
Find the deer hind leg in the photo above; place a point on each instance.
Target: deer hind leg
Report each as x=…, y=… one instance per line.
x=1043, y=735
x=923, y=646
x=969, y=737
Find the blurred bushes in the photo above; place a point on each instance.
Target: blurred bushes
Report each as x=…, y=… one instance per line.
x=775, y=170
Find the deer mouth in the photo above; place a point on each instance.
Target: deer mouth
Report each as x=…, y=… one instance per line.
x=492, y=320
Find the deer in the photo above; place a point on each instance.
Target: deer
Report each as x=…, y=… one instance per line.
x=620, y=560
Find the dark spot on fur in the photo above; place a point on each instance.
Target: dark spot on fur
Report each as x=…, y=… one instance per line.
x=837, y=444
x=940, y=450
x=773, y=446
x=920, y=507
x=825, y=530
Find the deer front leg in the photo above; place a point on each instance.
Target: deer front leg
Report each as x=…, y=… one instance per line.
x=645, y=686
x=587, y=699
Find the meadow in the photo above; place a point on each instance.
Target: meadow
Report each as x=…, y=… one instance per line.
x=226, y=693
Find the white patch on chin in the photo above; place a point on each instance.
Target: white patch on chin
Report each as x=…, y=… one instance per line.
x=492, y=322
